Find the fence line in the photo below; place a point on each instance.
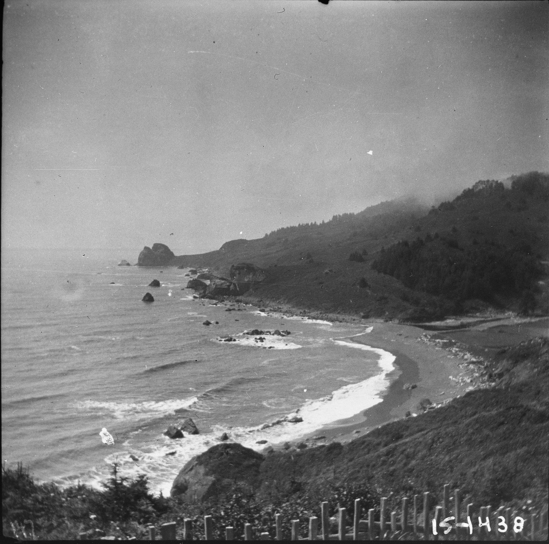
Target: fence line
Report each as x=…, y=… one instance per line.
x=438, y=522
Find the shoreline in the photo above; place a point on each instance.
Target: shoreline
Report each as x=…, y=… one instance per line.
x=438, y=374
x=428, y=367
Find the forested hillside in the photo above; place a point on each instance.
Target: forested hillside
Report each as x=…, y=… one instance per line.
x=492, y=264
x=486, y=249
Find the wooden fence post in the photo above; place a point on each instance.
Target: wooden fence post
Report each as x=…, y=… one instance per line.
x=187, y=529
x=278, y=521
x=436, y=522
x=325, y=521
x=414, y=522
x=382, y=517
x=393, y=523
x=167, y=531
x=229, y=533
x=313, y=528
x=445, y=496
x=404, y=515
x=543, y=522
x=248, y=531
x=152, y=532
x=469, y=517
x=426, y=520
x=482, y=519
x=342, y=521
x=371, y=524
x=295, y=529
x=533, y=528
x=497, y=514
x=489, y=517
x=265, y=536
x=507, y=516
x=356, y=520
x=208, y=528
x=457, y=512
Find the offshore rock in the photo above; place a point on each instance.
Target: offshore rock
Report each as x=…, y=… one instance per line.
x=148, y=298
x=123, y=262
x=189, y=426
x=158, y=255
x=216, y=472
x=173, y=432
x=154, y=283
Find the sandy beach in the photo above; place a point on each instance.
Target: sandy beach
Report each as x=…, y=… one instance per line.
x=438, y=374
x=428, y=366
x=441, y=363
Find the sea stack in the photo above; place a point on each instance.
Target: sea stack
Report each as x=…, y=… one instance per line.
x=158, y=255
x=148, y=298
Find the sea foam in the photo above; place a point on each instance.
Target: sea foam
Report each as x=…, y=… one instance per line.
x=164, y=460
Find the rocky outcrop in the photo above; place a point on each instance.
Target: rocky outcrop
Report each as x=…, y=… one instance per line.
x=220, y=287
x=173, y=432
x=154, y=283
x=123, y=262
x=255, y=332
x=189, y=426
x=424, y=405
x=246, y=273
x=197, y=285
x=148, y=298
x=216, y=471
x=158, y=255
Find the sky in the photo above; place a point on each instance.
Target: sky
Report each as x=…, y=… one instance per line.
x=130, y=122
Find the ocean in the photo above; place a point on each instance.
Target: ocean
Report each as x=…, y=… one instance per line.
x=82, y=352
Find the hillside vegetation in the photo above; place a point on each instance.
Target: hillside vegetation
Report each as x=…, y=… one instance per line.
x=491, y=443
x=487, y=248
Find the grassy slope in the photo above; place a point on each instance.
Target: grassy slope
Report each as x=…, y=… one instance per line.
x=298, y=258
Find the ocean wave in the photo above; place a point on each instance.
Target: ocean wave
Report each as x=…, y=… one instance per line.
x=169, y=366
x=27, y=400
x=262, y=341
x=162, y=459
x=304, y=319
x=277, y=403
x=136, y=410
x=90, y=339
x=232, y=385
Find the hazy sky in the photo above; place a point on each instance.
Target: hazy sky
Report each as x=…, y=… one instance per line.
x=125, y=120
